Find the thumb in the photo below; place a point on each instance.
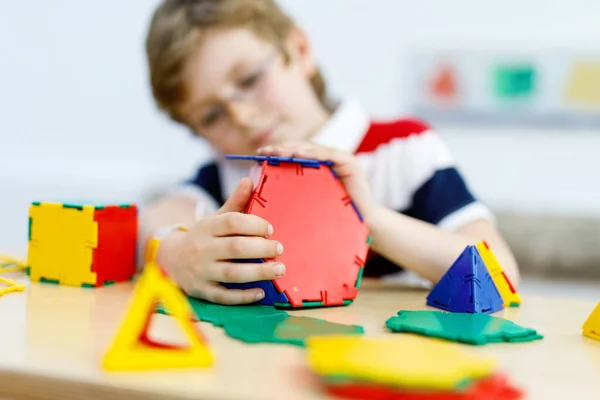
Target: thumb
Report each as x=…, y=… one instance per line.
x=239, y=198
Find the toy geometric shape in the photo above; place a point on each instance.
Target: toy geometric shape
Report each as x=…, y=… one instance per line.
x=397, y=361
x=515, y=81
x=272, y=296
x=10, y=264
x=11, y=286
x=284, y=328
x=81, y=244
x=591, y=327
x=444, y=83
x=218, y=314
x=61, y=243
x=507, y=291
x=495, y=387
x=115, y=256
x=466, y=287
x=323, y=234
x=132, y=349
x=472, y=329
x=584, y=85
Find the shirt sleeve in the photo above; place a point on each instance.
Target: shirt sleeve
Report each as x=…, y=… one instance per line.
x=204, y=187
x=416, y=175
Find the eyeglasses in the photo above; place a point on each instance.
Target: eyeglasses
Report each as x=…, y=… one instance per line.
x=217, y=119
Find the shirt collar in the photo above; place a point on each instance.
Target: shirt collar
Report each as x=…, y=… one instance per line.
x=344, y=130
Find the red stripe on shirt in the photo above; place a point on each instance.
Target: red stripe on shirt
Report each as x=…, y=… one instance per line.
x=380, y=133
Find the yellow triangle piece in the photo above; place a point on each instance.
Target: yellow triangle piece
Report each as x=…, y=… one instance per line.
x=11, y=286
x=400, y=360
x=133, y=350
x=591, y=327
x=509, y=294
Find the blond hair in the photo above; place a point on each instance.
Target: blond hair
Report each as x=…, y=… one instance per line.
x=176, y=30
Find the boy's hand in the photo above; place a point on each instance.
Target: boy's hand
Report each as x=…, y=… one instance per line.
x=200, y=258
x=345, y=165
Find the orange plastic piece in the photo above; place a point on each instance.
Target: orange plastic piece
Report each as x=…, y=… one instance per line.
x=132, y=348
x=444, y=84
x=591, y=327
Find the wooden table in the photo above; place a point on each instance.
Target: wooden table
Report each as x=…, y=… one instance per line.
x=52, y=339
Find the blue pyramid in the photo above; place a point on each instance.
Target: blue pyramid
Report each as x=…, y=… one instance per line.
x=467, y=287
x=272, y=296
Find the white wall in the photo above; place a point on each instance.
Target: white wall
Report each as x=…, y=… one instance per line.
x=77, y=119
x=363, y=43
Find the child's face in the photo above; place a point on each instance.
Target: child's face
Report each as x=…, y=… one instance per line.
x=243, y=95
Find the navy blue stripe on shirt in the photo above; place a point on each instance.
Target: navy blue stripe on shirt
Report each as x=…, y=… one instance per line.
x=207, y=178
x=441, y=195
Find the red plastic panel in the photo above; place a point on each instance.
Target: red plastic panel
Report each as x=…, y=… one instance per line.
x=324, y=239
x=115, y=256
x=496, y=387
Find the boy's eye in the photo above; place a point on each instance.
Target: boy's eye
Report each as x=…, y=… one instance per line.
x=210, y=118
x=250, y=80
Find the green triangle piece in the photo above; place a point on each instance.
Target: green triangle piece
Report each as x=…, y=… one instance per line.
x=218, y=314
x=285, y=329
x=475, y=329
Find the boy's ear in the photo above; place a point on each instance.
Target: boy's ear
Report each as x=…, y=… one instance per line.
x=300, y=51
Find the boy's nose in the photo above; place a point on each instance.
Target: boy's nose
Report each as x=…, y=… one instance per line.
x=242, y=113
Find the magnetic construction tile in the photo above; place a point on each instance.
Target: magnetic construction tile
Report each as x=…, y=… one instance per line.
x=591, y=327
x=466, y=287
x=399, y=361
x=133, y=349
x=507, y=291
x=265, y=324
x=271, y=295
x=285, y=328
x=284, y=195
x=218, y=314
x=495, y=387
x=475, y=329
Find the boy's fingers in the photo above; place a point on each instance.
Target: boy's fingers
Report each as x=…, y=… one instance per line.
x=237, y=223
x=233, y=272
x=238, y=200
x=244, y=247
x=216, y=293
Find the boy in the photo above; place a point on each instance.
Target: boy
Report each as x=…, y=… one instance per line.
x=242, y=76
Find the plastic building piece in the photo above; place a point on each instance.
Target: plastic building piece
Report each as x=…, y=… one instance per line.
x=507, y=291
x=591, y=327
x=466, y=287
x=11, y=286
x=309, y=304
x=272, y=296
x=132, y=349
x=495, y=387
x=305, y=162
x=398, y=361
x=284, y=328
x=82, y=244
x=115, y=256
x=474, y=329
x=10, y=264
x=323, y=235
x=218, y=314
